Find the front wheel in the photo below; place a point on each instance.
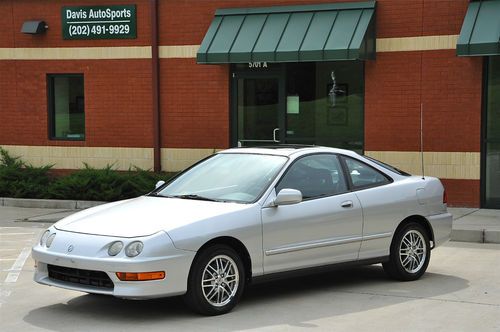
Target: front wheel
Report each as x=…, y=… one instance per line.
x=410, y=253
x=216, y=281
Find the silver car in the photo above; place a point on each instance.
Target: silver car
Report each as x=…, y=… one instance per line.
x=246, y=214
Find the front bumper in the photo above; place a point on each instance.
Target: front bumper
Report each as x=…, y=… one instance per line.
x=441, y=226
x=89, y=253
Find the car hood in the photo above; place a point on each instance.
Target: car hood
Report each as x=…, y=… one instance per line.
x=144, y=216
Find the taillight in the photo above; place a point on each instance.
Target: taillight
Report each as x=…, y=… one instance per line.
x=445, y=197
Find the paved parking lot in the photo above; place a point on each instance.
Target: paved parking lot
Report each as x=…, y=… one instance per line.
x=460, y=292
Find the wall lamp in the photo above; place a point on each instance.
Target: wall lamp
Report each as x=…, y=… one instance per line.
x=34, y=27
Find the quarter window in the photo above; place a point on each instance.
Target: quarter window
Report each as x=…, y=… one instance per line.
x=66, y=106
x=363, y=176
x=315, y=176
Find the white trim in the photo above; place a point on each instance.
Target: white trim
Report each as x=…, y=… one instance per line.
x=444, y=165
x=400, y=44
x=72, y=157
x=422, y=43
x=178, y=51
x=76, y=53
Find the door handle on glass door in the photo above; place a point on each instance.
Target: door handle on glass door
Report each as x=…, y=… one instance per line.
x=274, y=135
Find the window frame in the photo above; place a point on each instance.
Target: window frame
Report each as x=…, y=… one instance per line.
x=51, y=106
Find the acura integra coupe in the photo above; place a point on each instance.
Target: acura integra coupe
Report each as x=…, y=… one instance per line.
x=245, y=214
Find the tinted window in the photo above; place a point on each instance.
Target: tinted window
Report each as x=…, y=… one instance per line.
x=66, y=106
x=363, y=175
x=315, y=176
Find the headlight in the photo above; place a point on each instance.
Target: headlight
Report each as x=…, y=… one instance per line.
x=44, y=237
x=134, y=248
x=115, y=248
x=50, y=239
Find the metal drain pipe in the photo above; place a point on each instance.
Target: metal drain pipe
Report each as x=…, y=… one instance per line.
x=155, y=87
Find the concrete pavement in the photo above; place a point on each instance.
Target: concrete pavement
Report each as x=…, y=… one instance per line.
x=469, y=224
x=459, y=292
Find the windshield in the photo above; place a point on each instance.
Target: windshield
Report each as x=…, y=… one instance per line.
x=226, y=177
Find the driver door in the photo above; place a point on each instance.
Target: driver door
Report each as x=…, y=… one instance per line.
x=325, y=228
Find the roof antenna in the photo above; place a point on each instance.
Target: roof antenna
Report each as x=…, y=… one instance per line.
x=422, y=138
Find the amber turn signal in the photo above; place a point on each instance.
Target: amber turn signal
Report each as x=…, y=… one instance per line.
x=140, y=276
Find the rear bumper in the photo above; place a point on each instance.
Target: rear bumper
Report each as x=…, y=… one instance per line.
x=441, y=226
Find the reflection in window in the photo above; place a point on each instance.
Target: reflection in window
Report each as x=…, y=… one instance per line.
x=66, y=106
x=315, y=176
x=492, y=158
x=325, y=104
x=363, y=175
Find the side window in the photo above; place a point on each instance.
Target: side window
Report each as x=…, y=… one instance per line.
x=66, y=106
x=363, y=175
x=315, y=176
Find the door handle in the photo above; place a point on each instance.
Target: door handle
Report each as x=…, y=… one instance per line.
x=274, y=135
x=346, y=204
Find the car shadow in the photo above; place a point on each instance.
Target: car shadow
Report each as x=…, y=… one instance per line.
x=293, y=302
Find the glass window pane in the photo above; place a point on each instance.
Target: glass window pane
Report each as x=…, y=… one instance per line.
x=493, y=174
x=363, y=175
x=330, y=97
x=315, y=176
x=258, y=106
x=228, y=177
x=67, y=107
x=492, y=153
x=493, y=100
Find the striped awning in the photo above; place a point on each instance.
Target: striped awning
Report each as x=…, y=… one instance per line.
x=340, y=31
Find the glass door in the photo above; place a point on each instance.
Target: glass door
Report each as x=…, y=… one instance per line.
x=491, y=138
x=258, y=102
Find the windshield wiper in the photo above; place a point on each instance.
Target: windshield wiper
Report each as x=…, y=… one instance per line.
x=194, y=196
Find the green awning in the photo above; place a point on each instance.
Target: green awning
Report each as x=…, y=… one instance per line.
x=340, y=31
x=480, y=34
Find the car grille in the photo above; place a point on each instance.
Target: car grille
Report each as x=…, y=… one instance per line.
x=83, y=277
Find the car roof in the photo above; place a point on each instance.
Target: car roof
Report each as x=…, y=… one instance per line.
x=290, y=150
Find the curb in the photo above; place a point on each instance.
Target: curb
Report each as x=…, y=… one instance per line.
x=475, y=235
x=48, y=203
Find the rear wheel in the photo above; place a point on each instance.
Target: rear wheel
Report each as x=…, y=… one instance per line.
x=410, y=253
x=216, y=281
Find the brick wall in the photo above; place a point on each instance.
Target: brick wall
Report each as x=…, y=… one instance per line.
x=117, y=102
x=195, y=98
x=450, y=89
x=463, y=193
x=195, y=104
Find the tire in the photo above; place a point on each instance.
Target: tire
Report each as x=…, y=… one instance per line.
x=410, y=253
x=216, y=281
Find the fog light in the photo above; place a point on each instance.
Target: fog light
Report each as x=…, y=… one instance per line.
x=44, y=237
x=134, y=248
x=115, y=248
x=140, y=276
x=50, y=239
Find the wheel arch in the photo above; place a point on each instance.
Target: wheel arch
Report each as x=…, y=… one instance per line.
x=422, y=221
x=234, y=244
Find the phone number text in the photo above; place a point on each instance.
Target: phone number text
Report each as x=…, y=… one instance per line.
x=89, y=30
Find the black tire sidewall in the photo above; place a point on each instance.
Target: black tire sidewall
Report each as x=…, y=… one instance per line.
x=398, y=271
x=194, y=296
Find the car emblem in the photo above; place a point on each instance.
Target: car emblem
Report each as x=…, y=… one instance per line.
x=70, y=248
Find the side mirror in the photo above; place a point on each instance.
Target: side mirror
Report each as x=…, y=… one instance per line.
x=159, y=184
x=287, y=197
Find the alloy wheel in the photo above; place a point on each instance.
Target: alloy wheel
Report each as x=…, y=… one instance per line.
x=220, y=280
x=412, y=251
